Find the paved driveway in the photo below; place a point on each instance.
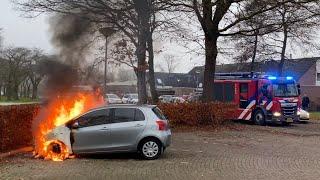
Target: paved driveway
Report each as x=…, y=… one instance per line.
x=252, y=153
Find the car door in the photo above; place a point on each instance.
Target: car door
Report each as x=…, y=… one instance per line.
x=92, y=133
x=127, y=125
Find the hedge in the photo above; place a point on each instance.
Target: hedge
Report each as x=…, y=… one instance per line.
x=16, y=120
x=16, y=126
x=198, y=114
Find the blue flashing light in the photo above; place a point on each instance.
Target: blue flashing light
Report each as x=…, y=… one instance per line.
x=289, y=78
x=272, y=78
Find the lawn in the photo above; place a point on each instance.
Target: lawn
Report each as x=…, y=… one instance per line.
x=315, y=115
x=21, y=100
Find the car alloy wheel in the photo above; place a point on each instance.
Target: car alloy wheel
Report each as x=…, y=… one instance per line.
x=150, y=149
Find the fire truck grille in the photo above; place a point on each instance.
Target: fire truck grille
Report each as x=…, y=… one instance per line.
x=289, y=111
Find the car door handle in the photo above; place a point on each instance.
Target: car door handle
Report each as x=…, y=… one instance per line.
x=138, y=125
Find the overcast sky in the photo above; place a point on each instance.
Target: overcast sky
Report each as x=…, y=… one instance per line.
x=19, y=31
x=25, y=32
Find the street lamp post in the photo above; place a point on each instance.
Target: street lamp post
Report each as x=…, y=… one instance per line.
x=106, y=31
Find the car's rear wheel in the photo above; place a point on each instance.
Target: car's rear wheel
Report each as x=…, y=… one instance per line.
x=150, y=149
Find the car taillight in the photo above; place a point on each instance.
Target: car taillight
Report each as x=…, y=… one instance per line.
x=162, y=125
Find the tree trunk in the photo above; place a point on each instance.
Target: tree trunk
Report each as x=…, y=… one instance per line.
x=283, y=51
x=152, y=84
x=34, y=91
x=141, y=7
x=211, y=51
x=254, y=53
x=16, y=91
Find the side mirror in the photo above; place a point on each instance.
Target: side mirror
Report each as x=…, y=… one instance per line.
x=75, y=125
x=299, y=89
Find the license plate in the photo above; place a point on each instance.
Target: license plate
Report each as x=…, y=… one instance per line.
x=289, y=120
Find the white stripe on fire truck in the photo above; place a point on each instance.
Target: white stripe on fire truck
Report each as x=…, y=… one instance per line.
x=263, y=103
x=244, y=112
x=269, y=106
x=249, y=116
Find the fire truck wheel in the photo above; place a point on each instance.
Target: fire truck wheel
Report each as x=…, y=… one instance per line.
x=259, y=118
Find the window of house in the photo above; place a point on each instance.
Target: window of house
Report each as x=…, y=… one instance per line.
x=318, y=76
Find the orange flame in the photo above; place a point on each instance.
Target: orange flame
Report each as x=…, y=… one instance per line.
x=58, y=112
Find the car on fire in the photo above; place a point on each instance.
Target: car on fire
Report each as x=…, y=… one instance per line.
x=114, y=128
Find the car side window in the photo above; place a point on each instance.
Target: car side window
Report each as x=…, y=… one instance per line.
x=123, y=115
x=139, y=116
x=94, y=118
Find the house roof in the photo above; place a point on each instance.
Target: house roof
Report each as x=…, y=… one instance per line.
x=174, y=79
x=292, y=67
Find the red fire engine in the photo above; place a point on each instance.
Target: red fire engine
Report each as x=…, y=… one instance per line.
x=261, y=98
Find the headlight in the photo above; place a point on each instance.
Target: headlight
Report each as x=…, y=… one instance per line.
x=276, y=114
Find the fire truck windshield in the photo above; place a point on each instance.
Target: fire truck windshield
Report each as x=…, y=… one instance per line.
x=285, y=90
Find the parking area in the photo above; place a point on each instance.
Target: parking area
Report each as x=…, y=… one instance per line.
x=254, y=152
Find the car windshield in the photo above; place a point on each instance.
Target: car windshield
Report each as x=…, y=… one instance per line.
x=112, y=96
x=285, y=90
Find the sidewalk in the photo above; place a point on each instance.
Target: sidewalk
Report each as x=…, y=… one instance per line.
x=13, y=152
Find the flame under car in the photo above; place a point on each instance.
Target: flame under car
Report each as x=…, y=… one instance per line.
x=115, y=128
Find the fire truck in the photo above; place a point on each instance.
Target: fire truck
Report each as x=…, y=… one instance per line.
x=260, y=98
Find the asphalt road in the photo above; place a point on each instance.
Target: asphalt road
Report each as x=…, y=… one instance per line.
x=253, y=152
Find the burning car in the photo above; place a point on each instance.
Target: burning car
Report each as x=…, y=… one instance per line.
x=51, y=137
x=115, y=128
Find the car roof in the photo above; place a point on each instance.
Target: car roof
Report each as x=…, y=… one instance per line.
x=124, y=105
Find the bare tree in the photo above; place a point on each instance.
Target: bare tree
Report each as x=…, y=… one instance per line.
x=131, y=18
x=296, y=24
x=1, y=39
x=221, y=18
x=35, y=75
x=16, y=60
x=170, y=63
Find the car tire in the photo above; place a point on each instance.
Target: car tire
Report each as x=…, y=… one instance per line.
x=259, y=118
x=150, y=149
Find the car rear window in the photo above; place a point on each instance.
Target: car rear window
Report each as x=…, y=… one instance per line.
x=139, y=116
x=159, y=114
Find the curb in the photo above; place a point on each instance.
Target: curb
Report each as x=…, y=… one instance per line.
x=13, y=152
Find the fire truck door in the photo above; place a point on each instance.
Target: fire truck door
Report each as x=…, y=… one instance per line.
x=243, y=93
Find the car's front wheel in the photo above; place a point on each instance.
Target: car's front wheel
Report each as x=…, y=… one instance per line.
x=150, y=149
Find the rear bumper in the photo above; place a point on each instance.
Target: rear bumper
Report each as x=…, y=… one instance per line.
x=166, y=138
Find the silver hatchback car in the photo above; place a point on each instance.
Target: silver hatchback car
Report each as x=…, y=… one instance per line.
x=120, y=128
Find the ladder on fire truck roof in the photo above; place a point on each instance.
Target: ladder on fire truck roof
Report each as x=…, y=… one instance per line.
x=238, y=75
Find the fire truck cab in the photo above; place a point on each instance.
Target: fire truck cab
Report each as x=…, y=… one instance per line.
x=260, y=98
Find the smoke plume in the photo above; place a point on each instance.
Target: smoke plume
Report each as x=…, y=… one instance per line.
x=71, y=36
